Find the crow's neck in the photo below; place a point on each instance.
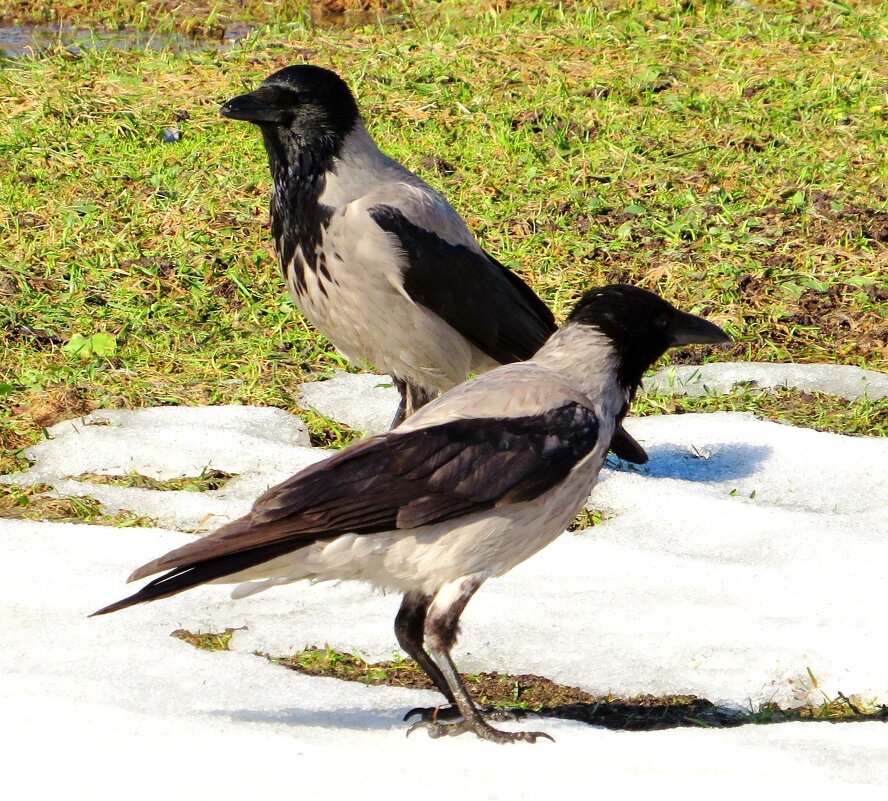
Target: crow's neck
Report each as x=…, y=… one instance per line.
x=589, y=359
x=299, y=171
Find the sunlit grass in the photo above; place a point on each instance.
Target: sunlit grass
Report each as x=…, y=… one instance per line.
x=729, y=158
x=537, y=694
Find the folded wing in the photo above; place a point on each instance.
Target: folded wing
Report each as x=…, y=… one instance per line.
x=395, y=481
x=485, y=302
x=476, y=295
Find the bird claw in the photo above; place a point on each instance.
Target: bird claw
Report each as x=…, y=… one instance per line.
x=435, y=729
x=434, y=714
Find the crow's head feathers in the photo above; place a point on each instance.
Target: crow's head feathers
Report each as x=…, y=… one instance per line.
x=306, y=105
x=641, y=326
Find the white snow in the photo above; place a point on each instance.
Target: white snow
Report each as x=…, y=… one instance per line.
x=364, y=402
x=841, y=380
x=259, y=446
x=743, y=559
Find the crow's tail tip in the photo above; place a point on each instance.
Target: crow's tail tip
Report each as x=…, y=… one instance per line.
x=105, y=610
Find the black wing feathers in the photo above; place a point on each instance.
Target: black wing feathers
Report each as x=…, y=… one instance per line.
x=399, y=480
x=452, y=468
x=485, y=302
x=542, y=311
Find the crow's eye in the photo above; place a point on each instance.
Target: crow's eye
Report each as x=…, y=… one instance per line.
x=661, y=321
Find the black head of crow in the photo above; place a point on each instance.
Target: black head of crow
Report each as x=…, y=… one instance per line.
x=642, y=327
x=376, y=259
x=470, y=486
x=303, y=111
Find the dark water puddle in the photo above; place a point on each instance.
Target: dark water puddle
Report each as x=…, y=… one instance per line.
x=31, y=40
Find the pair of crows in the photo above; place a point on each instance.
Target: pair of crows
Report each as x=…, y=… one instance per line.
x=468, y=483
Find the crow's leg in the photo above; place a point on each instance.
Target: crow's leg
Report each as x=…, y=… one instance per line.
x=418, y=396
x=401, y=414
x=413, y=397
x=441, y=628
x=409, y=628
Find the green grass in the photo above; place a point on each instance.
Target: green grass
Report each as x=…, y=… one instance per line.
x=209, y=641
x=587, y=518
x=193, y=18
x=324, y=432
x=814, y=410
x=37, y=502
x=729, y=158
x=530, y=693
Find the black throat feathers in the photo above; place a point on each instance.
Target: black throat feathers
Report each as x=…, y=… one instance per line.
x=298, y=219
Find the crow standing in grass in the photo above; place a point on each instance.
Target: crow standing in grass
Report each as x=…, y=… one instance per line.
x=468, y=487
x=376, y=259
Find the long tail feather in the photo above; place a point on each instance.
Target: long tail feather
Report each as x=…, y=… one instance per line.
x=184, y=578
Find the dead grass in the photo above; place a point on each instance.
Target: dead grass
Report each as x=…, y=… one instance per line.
x=208, y=480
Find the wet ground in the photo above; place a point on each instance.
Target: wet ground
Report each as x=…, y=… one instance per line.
x=30, y=40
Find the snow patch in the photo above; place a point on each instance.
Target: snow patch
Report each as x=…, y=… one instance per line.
x=843, y=381
x=363, y=402
x=261, y=446
x=744, y=558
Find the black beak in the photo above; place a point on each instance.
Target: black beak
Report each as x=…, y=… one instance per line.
x=260, y=106
x=688, y=329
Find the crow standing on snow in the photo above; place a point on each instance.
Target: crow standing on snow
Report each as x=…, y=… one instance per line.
x=468, y=487
x=376, y=259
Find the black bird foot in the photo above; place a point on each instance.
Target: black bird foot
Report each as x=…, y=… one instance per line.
x=480, y=727
x=446, y=714
x=432, y=714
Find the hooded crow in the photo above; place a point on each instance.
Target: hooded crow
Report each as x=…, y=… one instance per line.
x=376, y=259
x=469, y=486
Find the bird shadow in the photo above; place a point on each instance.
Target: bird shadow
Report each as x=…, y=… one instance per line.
x=657, y=714
x=713, y=463
x=358, y=719
x=644, y=714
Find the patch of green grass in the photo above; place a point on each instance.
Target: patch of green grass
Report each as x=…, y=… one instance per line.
x=807, y=409
x=324, y=432
x=208, y=480
x=195, y=18
x=35, y=502
x=587, y=518
x=529, y=693
x=729, y=158
x=350, y=667
x=841, y=709
x=209, y=641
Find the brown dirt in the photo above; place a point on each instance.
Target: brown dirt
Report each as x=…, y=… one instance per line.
x=205, y=19
x=55, y=404
x=525, y=692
